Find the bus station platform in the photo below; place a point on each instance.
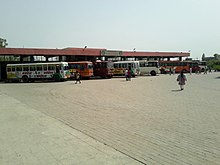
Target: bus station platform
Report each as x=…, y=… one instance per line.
x=31, y=137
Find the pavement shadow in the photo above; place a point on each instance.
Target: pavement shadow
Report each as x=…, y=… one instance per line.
x=176, y=90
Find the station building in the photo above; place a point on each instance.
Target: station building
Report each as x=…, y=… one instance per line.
x=27, y=55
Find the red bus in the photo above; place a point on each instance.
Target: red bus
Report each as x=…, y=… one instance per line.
x=85, y=68
x=178, y=66
x=195, y=66
x=103, y=69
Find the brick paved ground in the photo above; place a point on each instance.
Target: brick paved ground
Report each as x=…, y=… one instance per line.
x=148, y=119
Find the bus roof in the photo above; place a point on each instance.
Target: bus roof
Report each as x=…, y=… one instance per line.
x=126, y=62
x=43, y=63
x=80, y=62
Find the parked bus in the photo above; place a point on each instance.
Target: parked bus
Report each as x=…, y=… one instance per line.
x=103, y=69
x=195, y=66
x=85, y=68
x=121, y=66
x=178, y=66
x=57, y=71
x=149, y=67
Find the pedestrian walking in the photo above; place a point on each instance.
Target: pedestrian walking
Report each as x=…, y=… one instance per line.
x=129, y=74
x=190, y=70
x=77, y=77
x=181, y=79
x=126, y=74
x=170, y=71
x=205, y=70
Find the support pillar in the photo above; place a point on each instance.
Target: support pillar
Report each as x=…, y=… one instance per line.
x=60, y=58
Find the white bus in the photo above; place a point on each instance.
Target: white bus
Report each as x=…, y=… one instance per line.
x=149, y=67
x=121, y=66
x=57, y=71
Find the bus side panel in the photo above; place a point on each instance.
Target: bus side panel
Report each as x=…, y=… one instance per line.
x=119, y=71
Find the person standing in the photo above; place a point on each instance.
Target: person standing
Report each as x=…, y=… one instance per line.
x=77, y=77
x=182, y=80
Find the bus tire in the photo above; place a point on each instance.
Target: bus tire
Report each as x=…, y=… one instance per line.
x=153, y=73
x=25, y=79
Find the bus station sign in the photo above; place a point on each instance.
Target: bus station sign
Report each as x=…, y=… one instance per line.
x=111, y=53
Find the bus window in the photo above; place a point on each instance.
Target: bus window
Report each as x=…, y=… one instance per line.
x=104, y=65
x=32, y=68
x=9, y=69
x=45, y=67
x=19, y=68
x=124, y=65
x=90, y=66
x=25, y=68
x=65, y=67
x=39, y=68
x=74, y=66
x=82, y=67
x=50, y=67
x=13, y=69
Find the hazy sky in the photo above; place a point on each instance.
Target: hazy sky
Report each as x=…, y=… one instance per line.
x=147, y=25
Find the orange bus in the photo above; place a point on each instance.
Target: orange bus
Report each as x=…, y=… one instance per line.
x=178, y=66
x=85, y=68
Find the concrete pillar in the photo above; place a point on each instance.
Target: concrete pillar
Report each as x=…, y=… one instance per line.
x=47, y=58
x=21, y=58
x=60, y=58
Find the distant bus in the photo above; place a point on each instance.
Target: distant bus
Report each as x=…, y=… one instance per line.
x=103, y=69
x=149, y=67
x=85, y=68
x=177, y=66
x=121, y=66
x=57, y=71
x=195, y=66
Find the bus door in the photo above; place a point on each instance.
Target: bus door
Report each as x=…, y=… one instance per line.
x=57, y=69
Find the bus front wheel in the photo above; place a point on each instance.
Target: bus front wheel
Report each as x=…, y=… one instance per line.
x=153, y=73
x=25, y=79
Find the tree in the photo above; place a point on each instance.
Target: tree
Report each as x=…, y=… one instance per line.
x=203, y=57
x=3, y=43
x=217, y=56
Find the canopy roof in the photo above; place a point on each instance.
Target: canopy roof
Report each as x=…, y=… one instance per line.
x=83, y=52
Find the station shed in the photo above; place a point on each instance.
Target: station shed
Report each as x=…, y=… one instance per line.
x=27, y=55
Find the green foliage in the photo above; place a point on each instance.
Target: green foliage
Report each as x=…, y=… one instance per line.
x=3, y=43
x=214, y=64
